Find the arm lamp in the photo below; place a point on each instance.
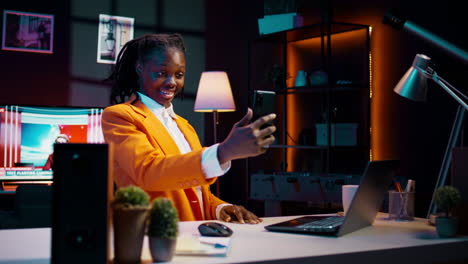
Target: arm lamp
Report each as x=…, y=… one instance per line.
x=413, y=85
x=214, y=95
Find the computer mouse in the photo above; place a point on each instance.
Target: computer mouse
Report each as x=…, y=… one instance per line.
x=214, y=229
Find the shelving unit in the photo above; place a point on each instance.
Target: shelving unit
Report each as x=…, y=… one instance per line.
x=324, y=128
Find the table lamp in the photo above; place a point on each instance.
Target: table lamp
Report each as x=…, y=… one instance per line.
x=413, y=85
x=214, y=95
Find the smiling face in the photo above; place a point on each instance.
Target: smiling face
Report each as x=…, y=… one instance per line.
x=162, y=75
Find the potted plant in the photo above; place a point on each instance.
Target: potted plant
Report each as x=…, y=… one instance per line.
x=447, y=198
x=162, y=229
x=130, y=210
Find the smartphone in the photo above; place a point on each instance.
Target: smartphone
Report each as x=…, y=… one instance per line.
x=263, y=104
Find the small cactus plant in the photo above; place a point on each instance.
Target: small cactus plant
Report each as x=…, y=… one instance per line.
x=447, y=198
x=131, y=196
x=163, y=220
x=130, y=213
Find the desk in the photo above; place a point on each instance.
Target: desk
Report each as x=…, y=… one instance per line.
x=384, y=242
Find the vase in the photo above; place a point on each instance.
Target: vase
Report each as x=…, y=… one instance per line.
x=129, y=231
x=301, y=79
x=162, y=249
x=446, y=226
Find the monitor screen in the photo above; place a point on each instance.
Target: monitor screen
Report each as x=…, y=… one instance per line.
x=28, y=135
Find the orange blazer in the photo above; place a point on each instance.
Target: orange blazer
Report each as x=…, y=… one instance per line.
x=145, y=155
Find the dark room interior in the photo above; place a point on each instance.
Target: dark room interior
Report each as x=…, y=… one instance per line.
x=297, y=175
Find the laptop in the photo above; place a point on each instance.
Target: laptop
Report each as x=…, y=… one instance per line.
x=377, y=178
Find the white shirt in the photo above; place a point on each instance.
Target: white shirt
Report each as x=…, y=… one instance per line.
x=209, y=161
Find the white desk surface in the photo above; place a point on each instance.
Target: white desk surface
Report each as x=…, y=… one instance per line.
x=384, y=242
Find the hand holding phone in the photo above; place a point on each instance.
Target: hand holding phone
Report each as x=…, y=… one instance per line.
x=263, y=104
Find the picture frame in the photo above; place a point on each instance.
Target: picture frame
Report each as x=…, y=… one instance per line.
x=28, y=32
x=114, y=32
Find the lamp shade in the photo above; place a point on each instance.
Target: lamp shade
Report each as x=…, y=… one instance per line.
x=214, y=93
x=413, y=85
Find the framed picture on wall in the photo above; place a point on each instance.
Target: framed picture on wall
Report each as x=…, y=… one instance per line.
x=30, y=32
x=114, y=32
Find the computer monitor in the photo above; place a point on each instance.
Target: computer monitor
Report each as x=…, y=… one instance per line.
x=28, y=134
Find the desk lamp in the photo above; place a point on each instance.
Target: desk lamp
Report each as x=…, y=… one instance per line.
x=413, y=85
x=214, y=95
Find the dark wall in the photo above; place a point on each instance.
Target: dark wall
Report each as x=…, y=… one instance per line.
x=415, y=133
x=35, y=78
x=229, y=25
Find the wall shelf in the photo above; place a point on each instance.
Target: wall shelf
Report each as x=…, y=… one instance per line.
x=308, y=117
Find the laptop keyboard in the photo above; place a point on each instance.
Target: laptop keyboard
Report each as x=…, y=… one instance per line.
x=323, y=225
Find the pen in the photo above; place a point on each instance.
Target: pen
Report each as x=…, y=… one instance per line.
x=216, y=245
x=410, y=186
x=398, y=187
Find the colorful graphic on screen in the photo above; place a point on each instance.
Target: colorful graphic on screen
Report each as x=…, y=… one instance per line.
x=28, y=134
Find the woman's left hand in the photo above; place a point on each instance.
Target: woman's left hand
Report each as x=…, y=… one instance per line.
x=237, y=213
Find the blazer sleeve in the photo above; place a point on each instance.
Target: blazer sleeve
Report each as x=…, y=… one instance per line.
x=213, y=202
x=138, y=155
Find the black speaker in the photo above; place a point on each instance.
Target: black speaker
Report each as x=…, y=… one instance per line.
x=80, y=191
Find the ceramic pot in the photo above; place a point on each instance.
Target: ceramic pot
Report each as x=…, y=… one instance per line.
x=301, y=79
x=129, y=231
x=162, y=249
x=446, y=226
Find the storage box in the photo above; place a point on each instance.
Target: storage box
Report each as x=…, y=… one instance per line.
x=279, y=22
x=342, y=134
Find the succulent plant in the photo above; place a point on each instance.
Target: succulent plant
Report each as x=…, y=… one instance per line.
x=131, y=195
x=163, y=219
x=447, y=198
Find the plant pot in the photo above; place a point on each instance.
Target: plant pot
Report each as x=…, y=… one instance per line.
x=129, y=232
x=446, y=226
x=162, y=249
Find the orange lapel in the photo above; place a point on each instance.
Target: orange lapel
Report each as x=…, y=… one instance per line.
x=189, y=133
x=157, y=130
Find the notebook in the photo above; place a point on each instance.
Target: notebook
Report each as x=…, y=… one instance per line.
x=377, y=177
x=203, y=246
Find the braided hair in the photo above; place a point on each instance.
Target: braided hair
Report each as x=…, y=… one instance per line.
x=124, y=77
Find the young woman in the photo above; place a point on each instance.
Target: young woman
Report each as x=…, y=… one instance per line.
x=158, y=150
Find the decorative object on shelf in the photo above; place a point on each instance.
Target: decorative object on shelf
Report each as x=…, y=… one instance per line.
x=342, y=134
x=318, y=78
x=344, y=82
x=130, y=210
x=162, y=229
x=447, y=198
x=280, y=15
x=277, y=75
x=301, y=78
x=214, y=94
x=280, y=22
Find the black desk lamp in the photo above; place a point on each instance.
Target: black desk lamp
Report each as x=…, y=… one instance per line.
x=413, y=85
